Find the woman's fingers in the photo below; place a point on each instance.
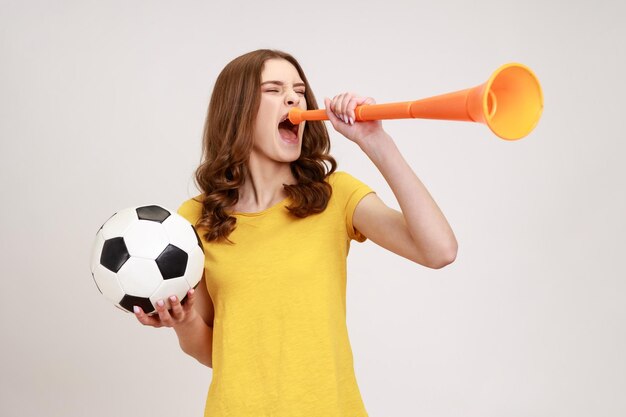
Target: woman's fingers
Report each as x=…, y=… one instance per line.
x=340, y=107
x=146, y=319
x=175, y=315
x=177, y=309
x=334, y=107
x=164, y=314
x=343, y=105
x=188, y=302
x=354, y=101
x=365, y=101
x=334, y=119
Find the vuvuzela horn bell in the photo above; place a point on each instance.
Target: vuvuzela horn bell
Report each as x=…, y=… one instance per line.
x=510, y=103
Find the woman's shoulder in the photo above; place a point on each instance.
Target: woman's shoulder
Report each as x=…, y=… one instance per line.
x=346, y=186
x=335, y=176
x=192, y=209
x=342, y=179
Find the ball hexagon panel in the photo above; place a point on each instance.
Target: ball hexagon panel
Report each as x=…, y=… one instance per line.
x=175, y=286
x=145, y=239
x=129, y=301
x=106, y=222
x=172, y=262
x=153, y=213
x=108, y=284
x=114, y=254
x=195, y=267
x=117, y=225
x=96, y=250
x=139, y=277
x=180, y=232
x=96, y=282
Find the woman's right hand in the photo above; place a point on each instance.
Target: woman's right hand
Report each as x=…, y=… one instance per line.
x=179, y=315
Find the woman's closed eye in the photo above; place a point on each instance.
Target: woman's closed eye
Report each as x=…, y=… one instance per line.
x=273, y=90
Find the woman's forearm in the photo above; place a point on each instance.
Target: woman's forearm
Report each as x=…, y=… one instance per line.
x=196, y=340
x=427, y=224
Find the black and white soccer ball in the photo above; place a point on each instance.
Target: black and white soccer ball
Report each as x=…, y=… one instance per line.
x=145, y=254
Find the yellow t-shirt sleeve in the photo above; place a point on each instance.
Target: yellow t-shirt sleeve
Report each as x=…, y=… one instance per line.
x=349, y=192
x=191, y=210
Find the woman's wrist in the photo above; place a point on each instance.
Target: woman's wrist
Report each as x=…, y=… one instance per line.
x=192, y=321
x=374, y=144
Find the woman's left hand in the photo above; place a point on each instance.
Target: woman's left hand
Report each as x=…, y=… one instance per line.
x=340, y=111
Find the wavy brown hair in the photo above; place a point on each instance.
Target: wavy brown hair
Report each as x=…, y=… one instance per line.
x=228, y=140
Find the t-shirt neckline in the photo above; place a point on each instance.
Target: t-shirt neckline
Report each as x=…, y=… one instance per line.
x=262, y=212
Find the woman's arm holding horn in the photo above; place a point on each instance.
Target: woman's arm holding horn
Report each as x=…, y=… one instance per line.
x=420, y=232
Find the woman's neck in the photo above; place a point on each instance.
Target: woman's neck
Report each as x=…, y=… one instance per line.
x=263, y=187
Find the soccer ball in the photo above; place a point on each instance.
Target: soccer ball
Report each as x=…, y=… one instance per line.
x=145, y=254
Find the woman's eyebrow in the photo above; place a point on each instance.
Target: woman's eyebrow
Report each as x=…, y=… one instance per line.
x=282, y=83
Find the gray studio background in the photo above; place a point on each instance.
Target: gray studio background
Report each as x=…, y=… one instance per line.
x=102, y=106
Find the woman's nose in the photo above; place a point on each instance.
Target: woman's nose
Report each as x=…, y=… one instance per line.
x=292, y=99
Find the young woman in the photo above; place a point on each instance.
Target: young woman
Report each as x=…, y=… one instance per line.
x=269, y=315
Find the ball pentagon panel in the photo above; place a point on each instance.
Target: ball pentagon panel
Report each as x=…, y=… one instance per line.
x=172, y=262
x=129, y=301
x=153, y=213
x=114, y=254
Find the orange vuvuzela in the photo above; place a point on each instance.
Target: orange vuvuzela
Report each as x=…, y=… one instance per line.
x=510, y=103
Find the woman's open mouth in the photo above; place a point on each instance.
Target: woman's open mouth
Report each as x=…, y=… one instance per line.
x=287, y=130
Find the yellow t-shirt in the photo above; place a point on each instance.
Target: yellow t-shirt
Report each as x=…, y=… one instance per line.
x=280, y=340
